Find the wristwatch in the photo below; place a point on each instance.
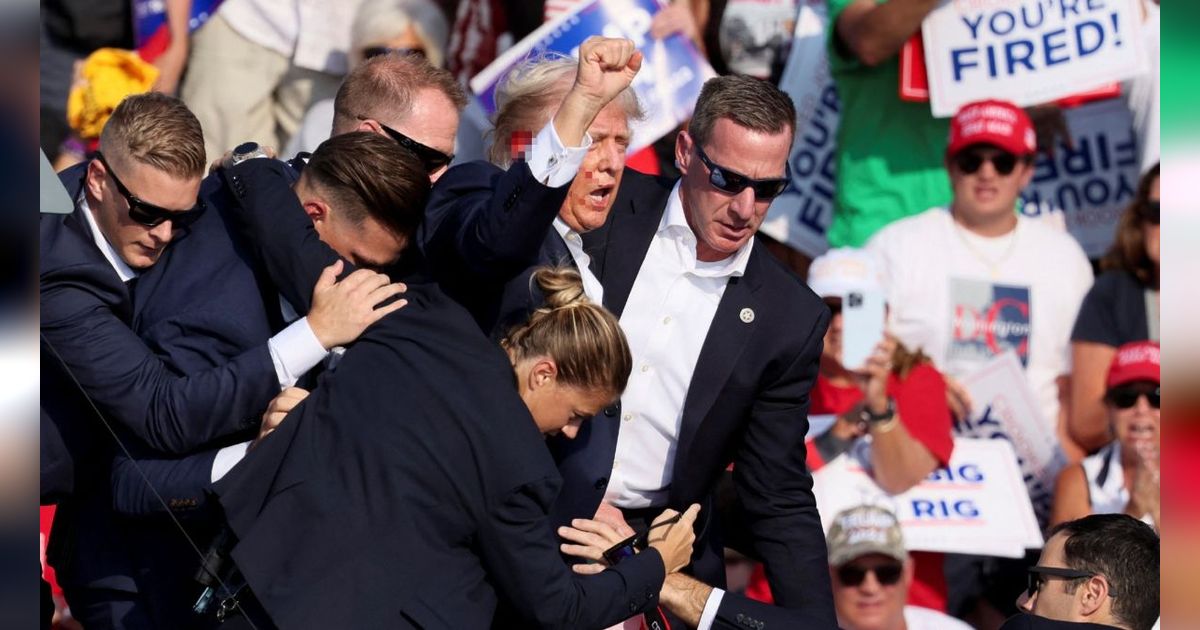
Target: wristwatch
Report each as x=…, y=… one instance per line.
x=247, y=151
x=866, y=416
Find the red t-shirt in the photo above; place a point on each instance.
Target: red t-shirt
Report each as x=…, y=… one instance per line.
x=921, y=404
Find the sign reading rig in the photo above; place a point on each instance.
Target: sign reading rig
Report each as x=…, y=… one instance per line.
x=667, y=86
x=1028, y=51
x=976, y=505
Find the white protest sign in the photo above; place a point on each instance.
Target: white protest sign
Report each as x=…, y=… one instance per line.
x=1005, y=410
x=1028, y=51
x=976, y=505
x=1087, y=187
x=801, y=215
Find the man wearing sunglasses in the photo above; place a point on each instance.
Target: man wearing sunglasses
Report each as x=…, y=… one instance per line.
x=726, y=344
x=871, y=573
x=1101, y=571
x=974, y=280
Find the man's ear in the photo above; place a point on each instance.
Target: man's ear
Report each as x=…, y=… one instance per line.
x=316, y=210
x=683, y=151
x=1093, y=593
x=543, y=372
x=94, y=178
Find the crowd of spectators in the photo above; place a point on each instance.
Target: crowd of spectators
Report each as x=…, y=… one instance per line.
x=927, y=214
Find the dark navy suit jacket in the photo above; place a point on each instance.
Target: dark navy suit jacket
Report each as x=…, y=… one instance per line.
x=180, y=364
x=421, y=480
x=747, y=404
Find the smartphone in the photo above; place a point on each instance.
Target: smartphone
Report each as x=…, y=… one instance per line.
x=862, y=327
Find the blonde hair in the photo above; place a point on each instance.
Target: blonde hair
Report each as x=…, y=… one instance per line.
x=583, y=339
x=384, y=87
x=530, y=94
x=156, y=130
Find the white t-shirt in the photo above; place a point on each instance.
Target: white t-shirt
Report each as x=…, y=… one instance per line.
x=964, y=299
x=917, y=618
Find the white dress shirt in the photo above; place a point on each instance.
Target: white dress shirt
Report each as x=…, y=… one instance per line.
x=591, y=286
x=294, y=350
x=666, y=320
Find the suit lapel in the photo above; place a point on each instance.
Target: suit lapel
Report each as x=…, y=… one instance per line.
x=727, y=338
x=618, y=249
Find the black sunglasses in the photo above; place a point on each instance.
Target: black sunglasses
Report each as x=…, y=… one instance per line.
x=1038, y=576
x=733, y=182
x=149, y=214
x=970, y=160
x=429, y=156
x=635, y=543
x=886, y=574
x=375, y=51
x=1126, y=396
x=1149, y=212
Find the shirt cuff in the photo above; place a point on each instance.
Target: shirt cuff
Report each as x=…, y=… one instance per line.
x=710, y=609
x=550, y=162
x=227, y=458
x=294, y=351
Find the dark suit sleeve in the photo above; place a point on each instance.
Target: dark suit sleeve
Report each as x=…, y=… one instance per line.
x=182, y=483
x=132, y=386
x=774, y=486
x=271, y=217
x=738, y=612
x=520, y=553
x=488, y=223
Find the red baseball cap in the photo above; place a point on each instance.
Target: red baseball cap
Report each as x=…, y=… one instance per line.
x=997, y=123
x=1135, y=361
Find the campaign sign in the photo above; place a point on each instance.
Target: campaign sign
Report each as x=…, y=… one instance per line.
x=668, y=84
x=801, y=215
x=1086, y=187
x=150, y=31
x=976, y=505
x=1028, y=51
x=1006, y=409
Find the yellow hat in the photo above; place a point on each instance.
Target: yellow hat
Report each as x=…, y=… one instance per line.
x=108, y=75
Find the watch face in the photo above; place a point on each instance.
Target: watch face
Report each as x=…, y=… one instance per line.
x=245, y=148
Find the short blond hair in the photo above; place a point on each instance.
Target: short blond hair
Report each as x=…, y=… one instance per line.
x=156, y=130
x=383, y=88
x=530, y=94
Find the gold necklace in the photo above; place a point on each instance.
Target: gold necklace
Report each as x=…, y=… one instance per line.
x=993, y=266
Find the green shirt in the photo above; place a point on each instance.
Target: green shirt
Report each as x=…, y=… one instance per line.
x=889, y=151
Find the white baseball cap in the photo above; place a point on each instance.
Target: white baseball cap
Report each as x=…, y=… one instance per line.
x=840, y=271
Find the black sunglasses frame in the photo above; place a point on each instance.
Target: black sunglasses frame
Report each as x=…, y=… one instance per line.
x=885, y=574
x=1037, y=576
x=1149, y=212
x=148, y=214
x=430, y=157
x=376, y=51
x=970, y=160
x=733, y=182
x=1126, y=396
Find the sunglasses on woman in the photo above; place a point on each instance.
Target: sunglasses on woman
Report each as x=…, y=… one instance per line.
x=149, y=214
x=885, y=574
x=375, y=51
x=1126, y=396
x=971, y=160
x=1038, y=576
x=733, y=182
x=1149, y=212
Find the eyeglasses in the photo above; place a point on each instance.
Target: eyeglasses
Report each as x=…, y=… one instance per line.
x=1038, y=576
x=970, y=160
x=886, y=574
x=149, y=214
x=1126, y=396
x=375, y=51
x=635, y=543
x=733, y=182
x=1149, y=212
x=429, y=156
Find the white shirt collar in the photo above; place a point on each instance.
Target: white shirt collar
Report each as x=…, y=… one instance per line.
x=674, y=226
x=124, y=271
x=563, y=229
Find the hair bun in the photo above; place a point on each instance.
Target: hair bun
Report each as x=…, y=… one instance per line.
x=561, y=287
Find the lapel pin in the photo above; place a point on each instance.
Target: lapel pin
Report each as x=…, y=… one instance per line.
x=747, y=315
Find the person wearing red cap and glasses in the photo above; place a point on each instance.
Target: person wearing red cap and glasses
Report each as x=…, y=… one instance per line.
x=1124, y=475
x=974, y=280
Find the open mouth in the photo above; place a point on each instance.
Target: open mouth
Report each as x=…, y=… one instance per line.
x=600, y=196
